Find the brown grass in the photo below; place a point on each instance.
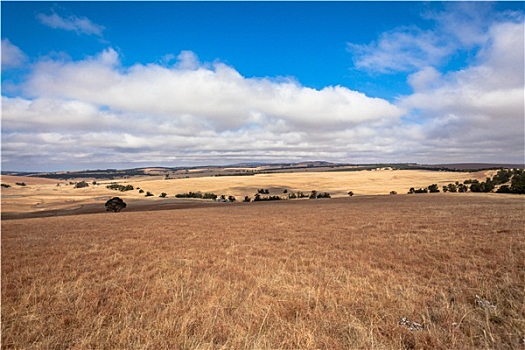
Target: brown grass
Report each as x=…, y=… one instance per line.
x=44, y=194
x=323, y=274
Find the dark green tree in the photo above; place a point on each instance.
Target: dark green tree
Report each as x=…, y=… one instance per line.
x=115, y=205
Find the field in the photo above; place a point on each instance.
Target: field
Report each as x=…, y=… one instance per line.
x=51, y=197
x=305, y=274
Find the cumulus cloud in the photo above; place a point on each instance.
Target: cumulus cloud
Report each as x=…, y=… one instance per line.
x=188, y=111
x=216, y=95
x=12, y=56
x=79, y=25
x=184, y=111
x=479, y=108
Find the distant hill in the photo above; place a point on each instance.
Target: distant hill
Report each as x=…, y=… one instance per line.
x=258, y=167
x=476, y=166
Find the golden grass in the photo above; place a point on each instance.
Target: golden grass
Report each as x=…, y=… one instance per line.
x=44, y=194
x=313, y=274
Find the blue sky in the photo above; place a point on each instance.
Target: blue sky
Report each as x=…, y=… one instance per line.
x=124, y=84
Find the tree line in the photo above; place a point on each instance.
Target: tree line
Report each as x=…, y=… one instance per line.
x=501, y=179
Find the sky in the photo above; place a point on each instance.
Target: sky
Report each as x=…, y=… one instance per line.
x=96, y=85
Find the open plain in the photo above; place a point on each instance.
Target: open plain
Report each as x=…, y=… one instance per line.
x=47, y=197
x=424, y=271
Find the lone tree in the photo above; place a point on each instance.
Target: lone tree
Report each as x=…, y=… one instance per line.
x=115, y=204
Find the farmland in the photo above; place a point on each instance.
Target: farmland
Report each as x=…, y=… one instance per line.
x=307, y=274
x=48, y=196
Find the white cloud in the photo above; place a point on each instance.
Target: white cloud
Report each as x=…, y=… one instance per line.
x=215, y=95
x=183, y=111
x=401, y=50
x=424, y=79
x=12, y=56
x=190, y=112
x=460, y=27
x=480, y=108
x=79, y=25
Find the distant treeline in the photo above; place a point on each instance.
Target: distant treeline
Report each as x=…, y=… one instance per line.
x=509, y=181
x=114, y=173
x=109, y=174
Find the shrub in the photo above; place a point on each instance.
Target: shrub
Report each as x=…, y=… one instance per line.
x=21, y=183
x=518, y=182
x=433, y=188
x=419, y=190
x=121, y=188
x=141, y=190
x=247, y=199
x=149, y=194
x=462, y=188
x=502, y=177
x=6, y=185
x=504, y=189
x=163, y=195
x=350, y=193
x=81, y=184
x=393, y=192
x=115, y=205
x=258, y=198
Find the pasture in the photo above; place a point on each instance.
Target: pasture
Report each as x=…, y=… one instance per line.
x=43, y=195
x=307, y=274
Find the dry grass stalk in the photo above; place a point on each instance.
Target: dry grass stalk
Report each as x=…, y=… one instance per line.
x=329, y=274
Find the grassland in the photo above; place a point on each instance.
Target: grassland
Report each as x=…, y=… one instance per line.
x=323, y=274
x=51, y=195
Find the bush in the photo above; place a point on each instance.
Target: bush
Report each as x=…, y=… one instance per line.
x=121, y=188
x=115, y=205
x=149, y=194
x=393, y=192
x=350, y=193
x=419, y=190
x=247, y=199
x=433, y=188
x=21, y=183
x=6, y=185
x=163, y=195
x=209, y=196
x=502, y=177
x=518, y=182
x=462, y=188
x=504, y=189
x=141, y=190
x=258, y=198
x=81, y=184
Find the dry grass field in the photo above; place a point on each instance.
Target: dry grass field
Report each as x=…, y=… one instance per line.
x=310, y=274
x=42, y=195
